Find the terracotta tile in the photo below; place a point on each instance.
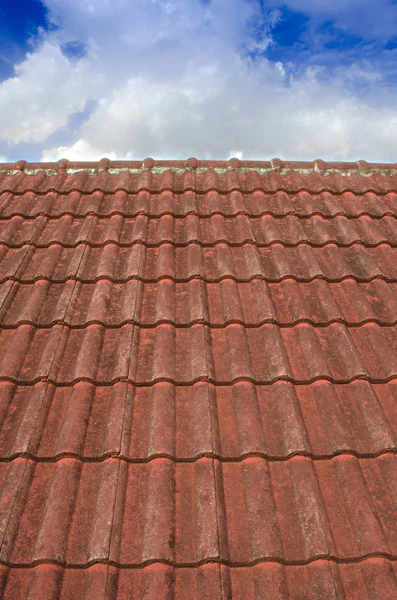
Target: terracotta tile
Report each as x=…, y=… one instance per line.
x=184, y=513
x=198, y=380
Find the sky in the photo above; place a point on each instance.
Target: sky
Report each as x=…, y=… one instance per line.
x=256, y=79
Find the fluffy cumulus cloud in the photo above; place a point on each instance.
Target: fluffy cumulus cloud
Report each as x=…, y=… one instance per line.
x=175, y=78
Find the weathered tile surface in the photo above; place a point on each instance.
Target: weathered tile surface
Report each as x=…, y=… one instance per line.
x=198, y=381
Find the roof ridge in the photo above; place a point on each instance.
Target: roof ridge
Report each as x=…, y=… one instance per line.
x=233, y=164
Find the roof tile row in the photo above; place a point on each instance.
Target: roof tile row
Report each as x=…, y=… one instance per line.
x=263, y=355
x=371, y=579
x=185, y=513
x=210, y=179
x=263, y=231
x=279, y=204
x=243, y=263
x=185, y=422
x=182, y=304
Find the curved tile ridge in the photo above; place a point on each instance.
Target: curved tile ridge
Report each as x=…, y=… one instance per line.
x=189, y=514
x=224, y=179
x=368, y=579
x=159, y=166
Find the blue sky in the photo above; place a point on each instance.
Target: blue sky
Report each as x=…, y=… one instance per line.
x=299, y=79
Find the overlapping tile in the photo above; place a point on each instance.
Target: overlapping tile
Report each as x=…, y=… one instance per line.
x=198, y=380
x=184, y=423
x=275, y=263
x=236, y=513
x=223, y=180
x=372, y=579
x=258, y=203
x=266, y=230
x=252, y=304
x=263, y=355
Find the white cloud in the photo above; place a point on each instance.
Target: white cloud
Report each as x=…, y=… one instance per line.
x=168, y=79
x=80, y=150
x=45, y=91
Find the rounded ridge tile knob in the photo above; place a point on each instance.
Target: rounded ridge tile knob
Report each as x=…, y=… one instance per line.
x=148, y=163
x=192, y=162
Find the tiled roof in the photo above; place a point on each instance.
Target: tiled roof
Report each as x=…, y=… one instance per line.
x=198, y=381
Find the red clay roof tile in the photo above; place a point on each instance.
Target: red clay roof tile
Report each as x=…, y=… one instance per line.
x=198, y=380
x=278, y=421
